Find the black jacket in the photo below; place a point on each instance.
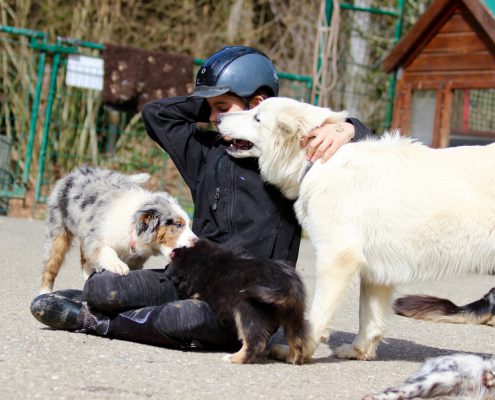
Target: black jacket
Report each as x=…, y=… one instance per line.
x=233, y=206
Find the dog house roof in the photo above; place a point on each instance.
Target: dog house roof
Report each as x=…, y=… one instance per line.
x=483, y=11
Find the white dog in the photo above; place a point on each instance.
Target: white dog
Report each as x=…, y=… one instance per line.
x=392, y=210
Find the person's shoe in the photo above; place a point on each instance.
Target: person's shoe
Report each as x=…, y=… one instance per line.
x=56, y=311
x=68, y=313
x=73, y=294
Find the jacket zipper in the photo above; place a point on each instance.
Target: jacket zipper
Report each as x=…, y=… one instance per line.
x=232, y=196
x=230, y=187
x=217, y=182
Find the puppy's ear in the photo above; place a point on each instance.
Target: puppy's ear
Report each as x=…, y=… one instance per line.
x=146, y=220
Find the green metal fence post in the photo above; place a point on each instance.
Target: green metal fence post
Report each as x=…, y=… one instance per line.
x=46, y=124
x=393, y=76
x=34, y=115
x=328, y=16
x=34, y=36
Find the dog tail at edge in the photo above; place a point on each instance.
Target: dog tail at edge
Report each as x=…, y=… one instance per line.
x=429, y=308
x=140, y=178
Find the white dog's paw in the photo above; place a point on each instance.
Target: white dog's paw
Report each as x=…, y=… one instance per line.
x=348, y=351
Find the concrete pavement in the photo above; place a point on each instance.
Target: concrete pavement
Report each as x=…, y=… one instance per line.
x=37, y=362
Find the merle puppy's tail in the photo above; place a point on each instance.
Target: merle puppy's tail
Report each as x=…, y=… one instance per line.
x=139, y=179
x=429, y=308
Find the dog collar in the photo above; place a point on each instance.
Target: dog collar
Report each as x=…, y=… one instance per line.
x=132, y=243
x=306, y=170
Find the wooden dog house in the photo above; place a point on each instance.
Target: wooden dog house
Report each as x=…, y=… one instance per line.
x=445, y=91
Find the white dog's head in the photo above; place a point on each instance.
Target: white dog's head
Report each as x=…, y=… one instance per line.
x=272, y=132
x=276, y=121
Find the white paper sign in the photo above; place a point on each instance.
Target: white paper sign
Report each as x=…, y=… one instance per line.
x=84, y=72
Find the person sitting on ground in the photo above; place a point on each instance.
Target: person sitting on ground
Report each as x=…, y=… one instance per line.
x=232, y=207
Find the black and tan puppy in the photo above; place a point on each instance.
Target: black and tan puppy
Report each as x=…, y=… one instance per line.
x=250, y=297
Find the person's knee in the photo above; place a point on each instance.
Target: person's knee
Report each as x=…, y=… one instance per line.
x=110, y=292
x=184, y=317
x=101, y=292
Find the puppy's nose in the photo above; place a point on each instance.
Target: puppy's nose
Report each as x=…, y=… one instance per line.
x=193, y=241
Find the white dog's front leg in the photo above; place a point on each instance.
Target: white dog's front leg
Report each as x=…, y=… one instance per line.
x=334, y=275
x=374, y=310
x=109, y=260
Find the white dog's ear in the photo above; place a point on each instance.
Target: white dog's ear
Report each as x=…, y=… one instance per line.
x=289, y=122
x=301, y=119
x=285, y=126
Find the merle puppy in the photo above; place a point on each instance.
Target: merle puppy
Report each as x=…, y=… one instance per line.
x=119, y=224
x=467, y=375
x=250, y=297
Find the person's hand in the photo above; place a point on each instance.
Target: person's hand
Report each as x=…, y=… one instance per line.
x=323, y=142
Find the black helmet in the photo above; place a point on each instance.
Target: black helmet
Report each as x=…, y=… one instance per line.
x=238, y=69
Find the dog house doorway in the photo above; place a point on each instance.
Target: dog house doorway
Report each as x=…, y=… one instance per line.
x=445, y=68
x=423, y=115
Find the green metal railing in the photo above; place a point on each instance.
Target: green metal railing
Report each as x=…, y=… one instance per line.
x=60, y=127
x=398, y=14
x=16, y=133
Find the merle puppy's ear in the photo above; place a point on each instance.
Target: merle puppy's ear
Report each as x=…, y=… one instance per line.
x=146, y=220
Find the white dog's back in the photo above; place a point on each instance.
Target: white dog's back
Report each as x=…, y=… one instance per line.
x=442, y=193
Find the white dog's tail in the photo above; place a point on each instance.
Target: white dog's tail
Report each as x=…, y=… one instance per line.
x=140, y=178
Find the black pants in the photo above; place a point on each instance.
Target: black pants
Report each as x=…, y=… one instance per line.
x=144, y=307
